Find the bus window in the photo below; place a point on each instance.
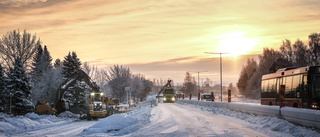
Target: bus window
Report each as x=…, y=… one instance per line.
x=272, y=85
x=296, y=85
x=290, y=93
x=316, y=86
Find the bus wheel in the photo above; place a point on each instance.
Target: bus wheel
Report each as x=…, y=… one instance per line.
x=295, y=104
x=270, y=103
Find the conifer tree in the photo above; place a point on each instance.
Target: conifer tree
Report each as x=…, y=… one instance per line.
x=47, y=59
x=70, y=64
x=19, y=87
x=3, y=91
x=57, y=63
x=37, y=62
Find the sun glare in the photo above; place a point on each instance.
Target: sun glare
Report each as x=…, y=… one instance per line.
x=236, y=43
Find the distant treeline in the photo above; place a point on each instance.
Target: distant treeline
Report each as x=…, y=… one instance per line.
x=297, y=54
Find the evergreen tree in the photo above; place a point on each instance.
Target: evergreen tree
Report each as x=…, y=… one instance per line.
x=47, y=59
x=41, y=63
x=37, y=62
x=19, y=87
x=57, y=63
x=3, y=92
x=70, y=64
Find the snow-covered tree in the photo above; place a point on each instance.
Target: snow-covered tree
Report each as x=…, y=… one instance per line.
x=57, y=63
x=45, y=91
x=246, y=73
x=70, y=64
x=118, y=79
x=136, y=85
x=77, y=94
x=41, y=63
x=4, y=102
x=302, y=54
x=189, y=85
x=18, y=85
x=267, y=64
x=314, y=46
x=16, y=45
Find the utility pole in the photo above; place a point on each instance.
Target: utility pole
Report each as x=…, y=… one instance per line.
x=198, y=78
x=220, y=68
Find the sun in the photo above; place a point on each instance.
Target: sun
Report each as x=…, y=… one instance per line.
x=236, y=43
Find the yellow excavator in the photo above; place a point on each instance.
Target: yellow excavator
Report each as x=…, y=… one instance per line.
x=97, y=107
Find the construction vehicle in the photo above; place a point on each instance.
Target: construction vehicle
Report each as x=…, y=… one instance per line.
x=97, y=107
x=168, y=93
x=45, y=109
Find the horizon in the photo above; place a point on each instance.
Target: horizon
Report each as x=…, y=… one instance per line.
x=163, y=39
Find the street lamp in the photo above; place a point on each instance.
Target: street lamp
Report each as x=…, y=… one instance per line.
x=220, y=68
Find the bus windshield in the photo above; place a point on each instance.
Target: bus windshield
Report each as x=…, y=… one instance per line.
x=316, y=86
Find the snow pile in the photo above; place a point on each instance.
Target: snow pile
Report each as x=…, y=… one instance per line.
x=12, y=125
x=122, y=124
x=267, y=123
x=246, y=100
x=68, y=114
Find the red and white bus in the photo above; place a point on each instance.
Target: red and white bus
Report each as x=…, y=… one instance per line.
x=302, y=87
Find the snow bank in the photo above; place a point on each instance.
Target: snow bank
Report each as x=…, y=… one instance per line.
x=261, y=123
x=10, y=125
x=305, y=117
x=122, y=124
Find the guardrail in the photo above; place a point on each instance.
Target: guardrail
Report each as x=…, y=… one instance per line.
x=301, y=116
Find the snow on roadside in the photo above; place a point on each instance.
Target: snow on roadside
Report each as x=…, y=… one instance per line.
x=260, y=122
x=122, y=124
x=10, y=125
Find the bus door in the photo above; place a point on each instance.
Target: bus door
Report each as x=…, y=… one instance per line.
x=279, y=82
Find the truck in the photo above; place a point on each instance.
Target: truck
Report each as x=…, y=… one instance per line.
x=168, y=93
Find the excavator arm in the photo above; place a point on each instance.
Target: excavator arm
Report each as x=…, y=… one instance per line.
x=166, y=85
x=79, y=75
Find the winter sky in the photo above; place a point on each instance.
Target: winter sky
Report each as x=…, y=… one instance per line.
x=163, y=38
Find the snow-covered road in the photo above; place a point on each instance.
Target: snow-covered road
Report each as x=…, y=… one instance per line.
x=164, y=119
x=179, y=120
x=59, y=130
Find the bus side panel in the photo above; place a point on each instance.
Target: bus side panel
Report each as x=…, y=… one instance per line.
x=268, y=101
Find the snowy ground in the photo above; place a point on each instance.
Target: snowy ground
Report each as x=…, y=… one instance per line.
x=172, y=119
x=33, y=125
x=164, y=119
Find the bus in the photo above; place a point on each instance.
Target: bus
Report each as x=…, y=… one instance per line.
x=302, y=87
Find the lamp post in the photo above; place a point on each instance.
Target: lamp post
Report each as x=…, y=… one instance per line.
x=220, y=68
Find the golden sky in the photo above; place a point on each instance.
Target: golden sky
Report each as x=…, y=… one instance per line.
x=162, y=38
